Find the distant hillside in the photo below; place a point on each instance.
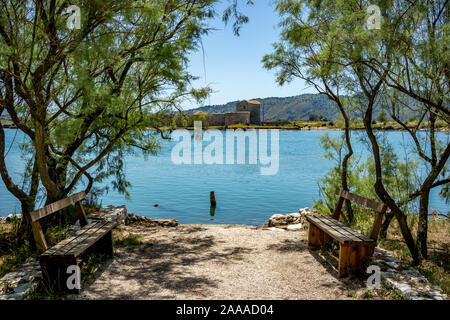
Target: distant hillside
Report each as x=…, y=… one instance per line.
x=288, y=108
x=5, y=120
x=5, y=117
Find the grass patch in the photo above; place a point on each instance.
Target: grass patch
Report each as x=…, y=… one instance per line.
x=12, y=253
x=131, y=240
x=47, y=291
x=6, y=122
x=56, y=234
x=15, y=257
x=368, y=294
x=437, y=268
x=351, y=293
x=387, y=292
x=91, y=265
x=50, y=290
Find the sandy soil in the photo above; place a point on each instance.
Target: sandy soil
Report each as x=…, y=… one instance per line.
x=216, y=262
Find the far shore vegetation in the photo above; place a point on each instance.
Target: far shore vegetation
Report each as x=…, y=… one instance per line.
x=332, y=125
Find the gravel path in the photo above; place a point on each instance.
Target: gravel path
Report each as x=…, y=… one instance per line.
x=215, y=262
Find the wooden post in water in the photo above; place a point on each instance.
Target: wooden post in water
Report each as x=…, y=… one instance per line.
x=212, y=198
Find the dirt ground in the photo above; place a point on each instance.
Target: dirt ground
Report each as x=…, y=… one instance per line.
x=216, y=262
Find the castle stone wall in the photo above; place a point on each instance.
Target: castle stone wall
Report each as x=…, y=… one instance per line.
x=232, y=118
x=247, y=112
x=216, y=119
x=254, y=107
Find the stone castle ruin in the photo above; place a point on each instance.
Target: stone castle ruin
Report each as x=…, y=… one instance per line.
x=247, y=112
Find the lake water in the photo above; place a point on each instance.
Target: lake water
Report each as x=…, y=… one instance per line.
x=243, y=195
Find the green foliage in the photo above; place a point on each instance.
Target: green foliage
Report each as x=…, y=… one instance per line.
x=47, y=291
x=382, y=117
x=239, y=17
x=127, y=220
x=17, y=255
x=351, y=293
x=131, y=240
x=92, y=94
x=399, y=177
x=388, y=290
x=329, y=45
x=55, y=234
x=91, y=265
x=436, y=268
x=92, y=200
x=368, y=294
x=64, y=218
x=16, y=224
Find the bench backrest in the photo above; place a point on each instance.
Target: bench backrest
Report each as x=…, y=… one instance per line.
x=370, y=204
x=35, y=216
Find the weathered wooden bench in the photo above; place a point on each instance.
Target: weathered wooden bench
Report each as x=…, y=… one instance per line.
x=94, y=237
x=355, y=249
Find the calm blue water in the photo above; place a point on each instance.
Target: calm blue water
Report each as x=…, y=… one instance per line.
x=244, y=196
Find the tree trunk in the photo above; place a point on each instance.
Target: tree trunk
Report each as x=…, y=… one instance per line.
x=345, y=161
x=407, y=236
x=422, y=228
x=385, y=225
x=28, y=206
x=379, y=186
x=25, y=233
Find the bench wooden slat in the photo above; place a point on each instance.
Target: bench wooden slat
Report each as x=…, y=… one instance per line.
x=80, y=238
x=335, y=226
x=58, y=205
x=347, y=229
x=92, y=238
x=371, y=204
x=66, y=242
x=336, y=230
x=333, y=233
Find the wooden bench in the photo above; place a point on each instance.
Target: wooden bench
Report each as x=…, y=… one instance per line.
x=94, y=237
x=355, y=249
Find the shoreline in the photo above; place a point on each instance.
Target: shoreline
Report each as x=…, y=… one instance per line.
x=281, y=128
x=245, y=128
x=307, y=129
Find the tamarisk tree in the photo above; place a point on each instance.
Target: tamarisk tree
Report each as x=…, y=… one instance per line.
x=331, y=40
x=86, y=97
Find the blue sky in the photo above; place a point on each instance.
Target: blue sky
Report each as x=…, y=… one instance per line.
x=233, y=64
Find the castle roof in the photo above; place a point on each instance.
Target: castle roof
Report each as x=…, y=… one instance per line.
x=253, y=101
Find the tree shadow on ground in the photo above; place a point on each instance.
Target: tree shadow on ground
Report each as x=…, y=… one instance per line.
x=328, y=257
x=157, y=268
x=289, y=245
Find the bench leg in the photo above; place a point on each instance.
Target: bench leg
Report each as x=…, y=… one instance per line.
x=54, y=271
x=366, y=253
x=317, y=238
x=344, y=260
x=353, y=258
x=104, y=245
